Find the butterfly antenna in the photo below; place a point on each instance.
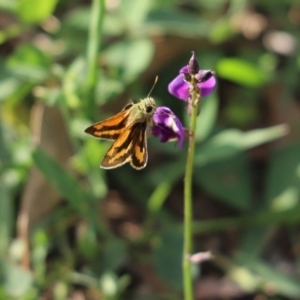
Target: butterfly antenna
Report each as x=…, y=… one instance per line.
x=155, y=81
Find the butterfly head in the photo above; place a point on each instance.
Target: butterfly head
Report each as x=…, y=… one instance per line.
x=148, y=106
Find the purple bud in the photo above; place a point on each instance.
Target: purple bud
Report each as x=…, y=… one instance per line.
x=204, y=75
x=193, y=67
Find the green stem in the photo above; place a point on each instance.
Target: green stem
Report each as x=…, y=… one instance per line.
x=188, y=208
x=94, y=41
x=95, y=36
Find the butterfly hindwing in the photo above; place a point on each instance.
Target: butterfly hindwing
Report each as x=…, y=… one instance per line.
x=129, y=147
x=139, y=154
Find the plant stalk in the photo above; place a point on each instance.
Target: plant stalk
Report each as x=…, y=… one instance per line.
x=188, y=199
x=93, y=46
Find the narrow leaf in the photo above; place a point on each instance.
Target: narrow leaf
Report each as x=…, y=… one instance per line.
x=60, y=178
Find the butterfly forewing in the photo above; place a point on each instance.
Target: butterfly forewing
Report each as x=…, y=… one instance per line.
x=111, y=128
x=129, y=147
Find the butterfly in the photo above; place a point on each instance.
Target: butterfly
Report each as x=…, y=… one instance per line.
x=128, y=129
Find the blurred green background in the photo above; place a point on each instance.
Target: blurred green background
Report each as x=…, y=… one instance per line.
x=70, y=230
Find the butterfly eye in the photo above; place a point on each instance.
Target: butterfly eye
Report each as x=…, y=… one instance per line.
x=149, y=109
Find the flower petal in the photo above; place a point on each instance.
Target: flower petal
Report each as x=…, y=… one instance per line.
x=179, y=88
x=184, y=69
x=167, y=126
x=207, y=86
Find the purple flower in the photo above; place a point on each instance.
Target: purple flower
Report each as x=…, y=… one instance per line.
x=179, y=87
x=167, y=126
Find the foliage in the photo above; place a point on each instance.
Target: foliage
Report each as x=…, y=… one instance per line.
x=69, y=228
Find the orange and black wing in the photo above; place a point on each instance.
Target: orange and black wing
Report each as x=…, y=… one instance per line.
x=139, y=156
x=129, y=147
x=111, y=128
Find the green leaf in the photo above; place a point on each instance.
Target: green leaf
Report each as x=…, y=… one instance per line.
x=8, y=83
x=163, y=182
x=6, y=216
x=78, y=18
x=286, y=217
x=87, y=244
x=175, y=22
x=29, y=62
x=114, y=254
x=232, y=141
x=207, y=119
x=8, y=86
x=87, y=161
x=229, y=180
x=167, y=257
x=253, y=238
x=5, y=152
x=61, y=179
x=241, y=72
x=8, y=4
x=123, y=55
x=225, y=145
x=243, y=108
x=73, y=82
x=32, y=11
x=221, y=30
x=15, y=279
x=267, y=276
x=109, y=89
x=283, y=180
x=40, y=248
x=134, y=12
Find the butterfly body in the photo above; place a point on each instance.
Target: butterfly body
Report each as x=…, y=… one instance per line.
x=128, y=130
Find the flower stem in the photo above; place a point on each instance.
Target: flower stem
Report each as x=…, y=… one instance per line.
x=188, y=208
x=93, y=46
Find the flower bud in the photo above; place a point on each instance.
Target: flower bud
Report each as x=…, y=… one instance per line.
x=193, y=66
x=204, y=75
